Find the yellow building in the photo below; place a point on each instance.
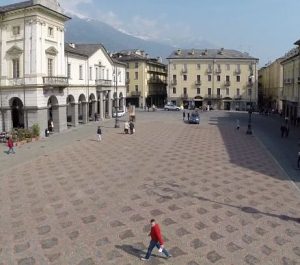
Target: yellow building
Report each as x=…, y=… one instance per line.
x=291, y=84
x=146, y=78
x=222, y=79
x=270, y=83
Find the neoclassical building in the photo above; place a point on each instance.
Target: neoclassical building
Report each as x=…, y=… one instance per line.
x=221, y=78
x=42, y=78
x=146, y=78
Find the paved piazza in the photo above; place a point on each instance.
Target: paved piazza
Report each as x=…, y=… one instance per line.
x=218, y=195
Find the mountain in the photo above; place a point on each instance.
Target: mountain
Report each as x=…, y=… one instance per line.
x=82, y=30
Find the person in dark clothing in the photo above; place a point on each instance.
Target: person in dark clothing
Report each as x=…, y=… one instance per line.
x=282, y=129
x=183, y=115
x=131, y=127
x=287, y=130
x=188, y=116
x=156, y=241
x=99, y=134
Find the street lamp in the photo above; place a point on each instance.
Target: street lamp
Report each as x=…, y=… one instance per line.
x=249, y=130
x=116, y=74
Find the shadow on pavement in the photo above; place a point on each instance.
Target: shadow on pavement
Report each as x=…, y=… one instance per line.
x=131, y=250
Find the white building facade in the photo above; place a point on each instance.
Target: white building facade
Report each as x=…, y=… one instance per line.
x=42, y=79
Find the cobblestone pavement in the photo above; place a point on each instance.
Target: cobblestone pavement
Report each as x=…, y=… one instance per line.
x=219, y=197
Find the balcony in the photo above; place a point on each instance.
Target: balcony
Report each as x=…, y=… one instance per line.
x=184, y=96
x=237, y=71
x=135, y=93
x=227, y=83
x=209, y=70
x=237, y=97
x=156, y=81
x=218, y=71
x=184, y=71
x=198, y=82
x=104, y=82
x=250, y=84
x=174, y=82
x=213, y=96
x=55, y=81
x=157, y=91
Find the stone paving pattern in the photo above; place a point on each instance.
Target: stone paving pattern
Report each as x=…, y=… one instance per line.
x=219, y=197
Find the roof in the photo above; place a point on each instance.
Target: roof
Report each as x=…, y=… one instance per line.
x=84, y=49
x=116, y=61
x=15, y=6
x=209, y=54
x=291, y=54
x=26, y=4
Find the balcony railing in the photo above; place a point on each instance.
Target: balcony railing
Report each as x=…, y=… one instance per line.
x=156, y=81
x=249, y=83
x=218, y=71
x=184, y=95
x=237, y=71
x=209, y=70
x=198, y=82
x=174, y=82
x=103, y=82
x=227, y=83
x=135, y=93
x=236, y=97
x=212, y=96
x=55, y=81
x=184, y=71
x=157, y=91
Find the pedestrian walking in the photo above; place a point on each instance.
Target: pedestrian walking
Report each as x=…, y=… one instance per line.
x=237, y=124
x=10, y=144
x=131, y=127
x=126, y=127
x=188, y=116
x=156, y=241
x=287, y=130
x=282, y=130
x=99, y=134
x=183, y=115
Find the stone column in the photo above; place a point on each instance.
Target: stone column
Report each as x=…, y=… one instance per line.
x=84, y=112
x=109, y=104
x=74, y=113
x=101, y=106
x=8, y=120
x=59, y=118
x=94, y=108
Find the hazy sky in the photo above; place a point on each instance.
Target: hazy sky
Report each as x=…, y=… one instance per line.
x=265, y=28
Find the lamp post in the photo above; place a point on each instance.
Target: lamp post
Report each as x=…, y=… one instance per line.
x=117, y=125
x=249, y=130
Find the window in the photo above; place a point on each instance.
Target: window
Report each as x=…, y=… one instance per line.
x=136, y=75
x=16, y=68
x=136, y=88
x=174, y=77
x=174, y=90
x=50, y=32
x=80, y=72
x=249, y=92
x=174, y=66
x=209, y=91
x=209, y=77
x=198, y=66
x=136, y=65
x=218, y=91
x=238, y=78
x=50, y=67
x=198, y=79
x=227, y=67
x=218, y=78
x=227, y=91
x=16, y=30
x=198, y=90
x=237, y=91
x=227, y=78
x=184, y=90
x=91, y=73
x=69, y=70
x=184, y=77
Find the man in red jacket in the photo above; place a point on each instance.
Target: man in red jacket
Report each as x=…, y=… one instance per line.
x=156, y=241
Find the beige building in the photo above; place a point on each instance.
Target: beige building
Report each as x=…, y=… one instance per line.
x=222, y=79
x=146, y=78
x=270, y=85
x=291, y=83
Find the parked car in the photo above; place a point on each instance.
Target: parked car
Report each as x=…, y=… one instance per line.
x=171, y=107
x=194, y=118
x=121, y=113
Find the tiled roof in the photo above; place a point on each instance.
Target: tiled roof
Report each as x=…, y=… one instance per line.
x=15, y=6
x=83, y=49
x=209, y=54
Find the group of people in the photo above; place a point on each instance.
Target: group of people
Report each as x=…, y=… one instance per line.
x=129, y=127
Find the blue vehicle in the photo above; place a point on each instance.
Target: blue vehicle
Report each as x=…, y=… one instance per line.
x=194, y=118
